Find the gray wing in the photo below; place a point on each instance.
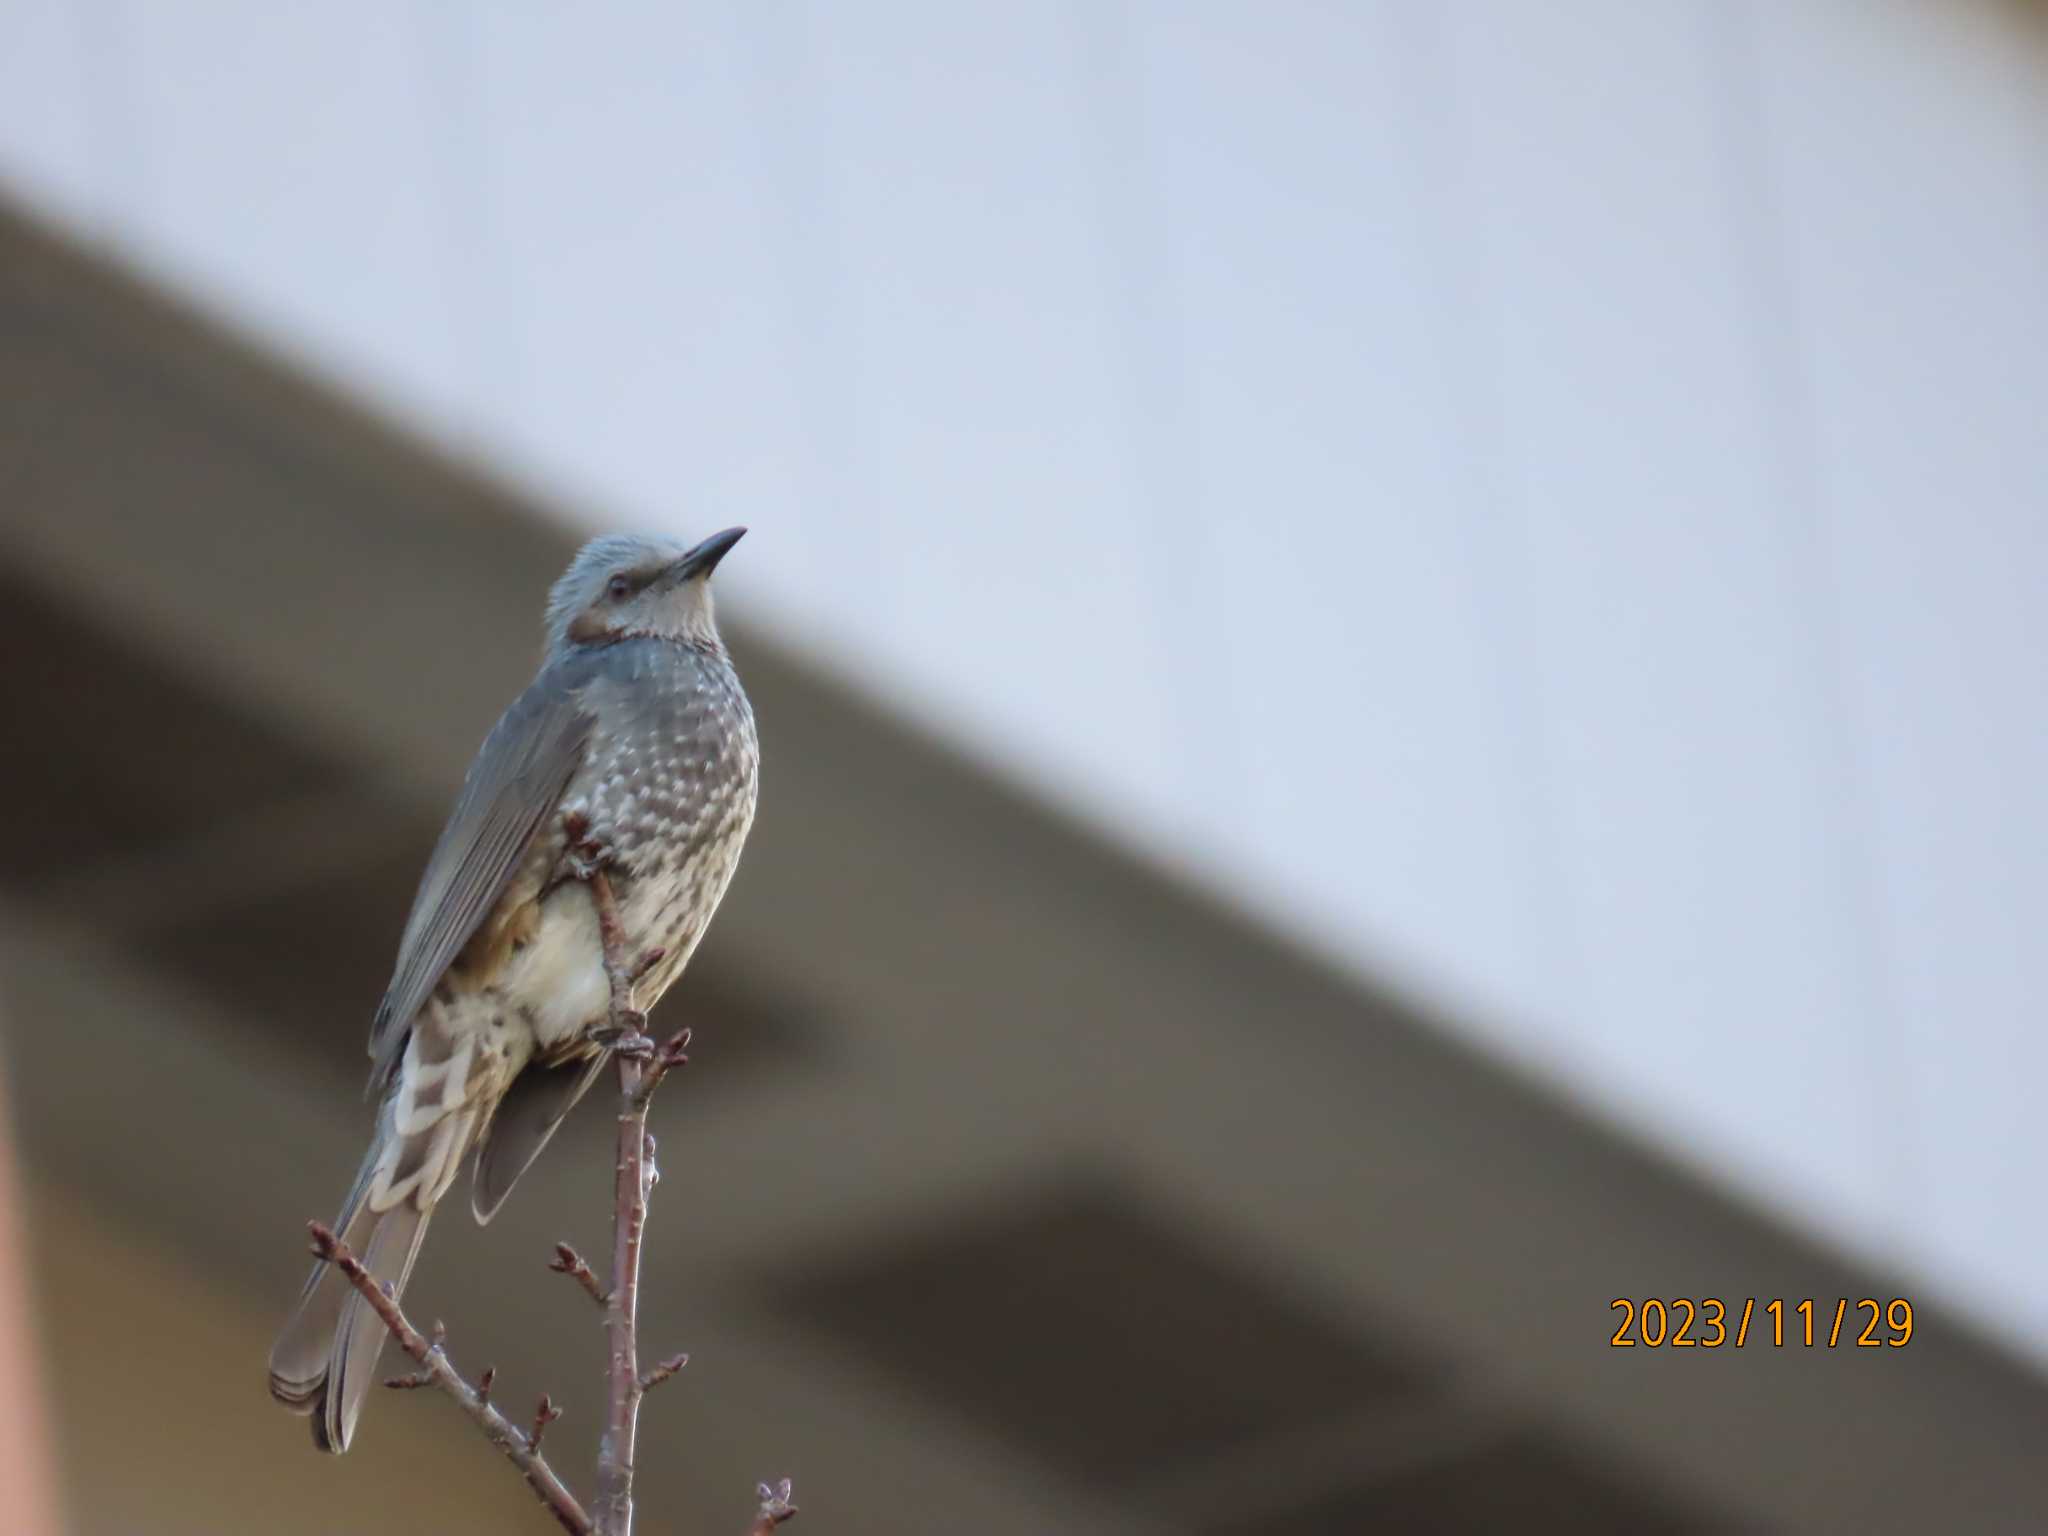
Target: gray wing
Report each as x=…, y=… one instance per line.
x=513, y=787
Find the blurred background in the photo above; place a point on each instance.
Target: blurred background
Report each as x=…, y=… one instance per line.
x=1400, y=653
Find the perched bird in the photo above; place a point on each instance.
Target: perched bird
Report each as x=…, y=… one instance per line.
x=635, y=744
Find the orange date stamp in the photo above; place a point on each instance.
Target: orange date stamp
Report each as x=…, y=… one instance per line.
x=1708, y=1322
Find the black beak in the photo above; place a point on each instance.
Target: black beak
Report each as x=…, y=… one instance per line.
x=703, y=560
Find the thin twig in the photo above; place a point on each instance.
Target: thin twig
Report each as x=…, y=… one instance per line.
x=567, y=1261
x=663, y=1371
x=629, y=1224
x=641, y=1069
x=675, y=1053
x=433, y=1361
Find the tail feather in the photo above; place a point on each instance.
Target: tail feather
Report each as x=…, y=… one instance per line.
x=359, y=1333
x=326, y=1358
x=298, y=1360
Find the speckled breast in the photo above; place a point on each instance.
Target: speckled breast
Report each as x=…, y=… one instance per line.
x=672, y=777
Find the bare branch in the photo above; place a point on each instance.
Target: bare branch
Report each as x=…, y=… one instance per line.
x=433, y=1361
x=567, y=1261
x=631, y=1181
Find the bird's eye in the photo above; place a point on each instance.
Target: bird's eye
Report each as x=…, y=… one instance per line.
x=617, y=588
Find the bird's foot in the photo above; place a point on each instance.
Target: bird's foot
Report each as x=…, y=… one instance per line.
x=587, y=852
x=670, y=1054
x=627, y=1037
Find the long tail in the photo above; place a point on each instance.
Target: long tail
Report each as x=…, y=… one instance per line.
x=326, y=1358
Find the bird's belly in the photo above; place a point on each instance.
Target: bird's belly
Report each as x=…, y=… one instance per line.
x=556, y=980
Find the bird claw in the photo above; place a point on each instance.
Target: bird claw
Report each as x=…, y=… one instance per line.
x=587, y=854
x=628, y=1037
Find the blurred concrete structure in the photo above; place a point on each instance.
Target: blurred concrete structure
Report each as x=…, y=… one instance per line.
x=1540, y=506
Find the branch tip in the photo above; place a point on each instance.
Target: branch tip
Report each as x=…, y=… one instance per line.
x=776, y=1506
x=567, y=1261
x=663, y=1371
x=543, y=1416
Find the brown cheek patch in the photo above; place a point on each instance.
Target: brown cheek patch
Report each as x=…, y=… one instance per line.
x=589, y=626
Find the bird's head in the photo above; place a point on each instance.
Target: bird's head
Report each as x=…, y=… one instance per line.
x=625, y=584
